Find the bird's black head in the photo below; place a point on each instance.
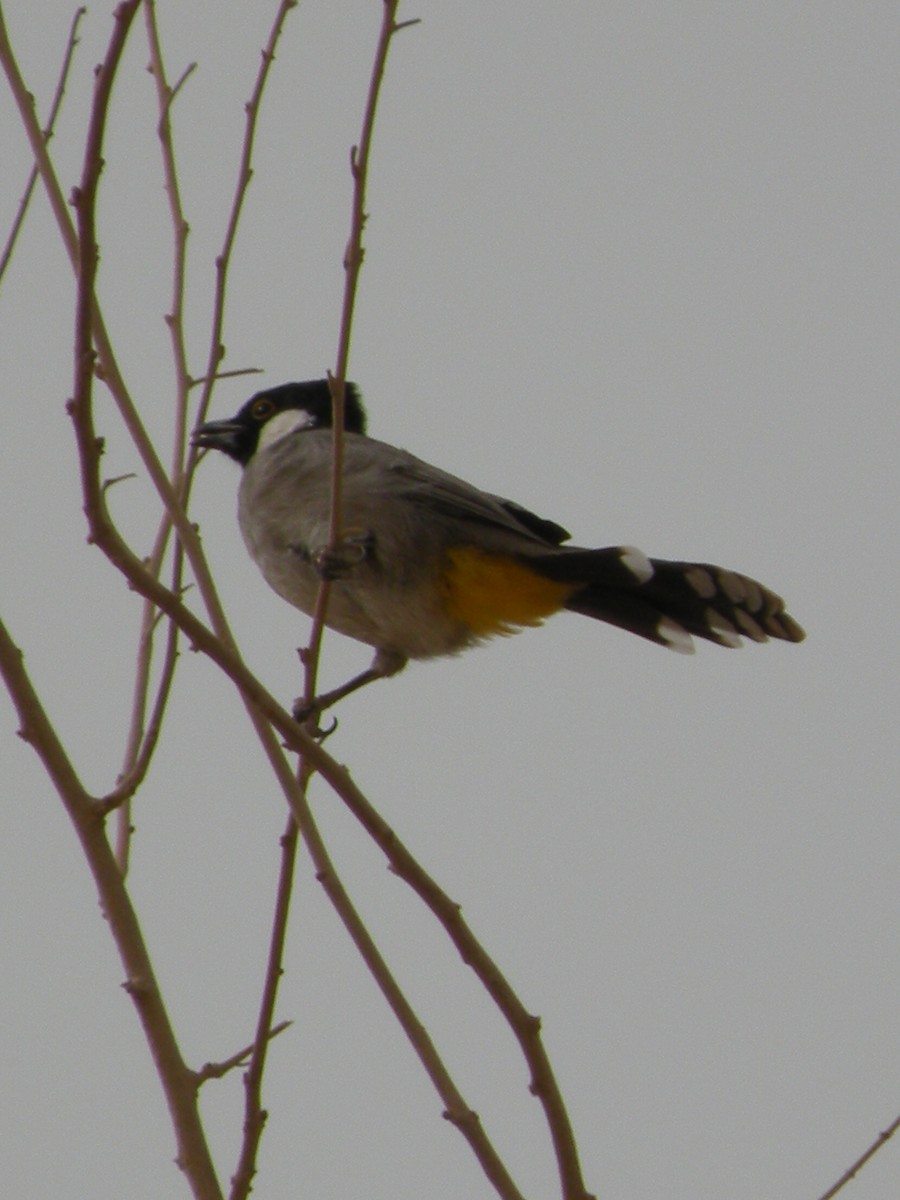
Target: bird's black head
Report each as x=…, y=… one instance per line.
x=304, y=405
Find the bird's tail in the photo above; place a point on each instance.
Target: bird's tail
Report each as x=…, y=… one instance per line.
x=669, y=602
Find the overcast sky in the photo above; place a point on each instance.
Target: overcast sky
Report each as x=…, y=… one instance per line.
x=636, y=266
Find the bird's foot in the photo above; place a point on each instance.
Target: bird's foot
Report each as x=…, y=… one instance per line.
x=384, y=664
x=336, y=561
x=307, y=713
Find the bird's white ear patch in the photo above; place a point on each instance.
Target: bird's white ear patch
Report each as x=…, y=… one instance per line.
x=289, y=420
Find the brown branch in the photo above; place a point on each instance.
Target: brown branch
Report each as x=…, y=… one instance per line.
x=221, y=647
x=142, y=739
x=193, y=1153
x=236, y=373
x=263, y=708
x=140, y=980
x=180, y=230
x=106, y=536
x=101, y=529
x=106, y=360
x=245, y=174
x=25, y=103
x=254, y=1114
x=524, y=1025
x=140, y=743
x=456, y=1110
x=218, y=1070
x=353, y=260
x=853, y=1171
x=19, y=219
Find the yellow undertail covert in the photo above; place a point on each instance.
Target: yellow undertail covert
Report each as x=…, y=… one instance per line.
x=492, y=594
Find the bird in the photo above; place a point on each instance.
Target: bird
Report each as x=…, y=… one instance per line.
x=427, y=564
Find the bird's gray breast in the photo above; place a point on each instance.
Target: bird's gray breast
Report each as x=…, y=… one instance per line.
x=391, y=599
x=284, y=504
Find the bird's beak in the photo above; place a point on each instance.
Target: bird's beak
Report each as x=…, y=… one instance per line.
x=218, y=435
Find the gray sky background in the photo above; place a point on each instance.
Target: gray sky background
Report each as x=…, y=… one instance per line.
x=635, y=265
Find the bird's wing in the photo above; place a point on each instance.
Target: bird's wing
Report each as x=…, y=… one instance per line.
x=452, y=497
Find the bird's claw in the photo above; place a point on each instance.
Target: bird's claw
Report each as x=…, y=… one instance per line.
x=307, y=713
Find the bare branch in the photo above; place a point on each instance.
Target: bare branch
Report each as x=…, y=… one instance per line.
x=193, y=1153
x=235, y=374
x=853, y=1171
x=216, y=641
x=36, y=730
x=524, y=1025
x=142, y=741
x=178, y=1081
x=455, y=1108
x=254, y=1115
x=219, y=1069
x=353, y=260
x=19, y=220
x=175, y=319
x=140, y=744
x=178, y=84
x=245, y=174
x=107, y=366
x=25, y=103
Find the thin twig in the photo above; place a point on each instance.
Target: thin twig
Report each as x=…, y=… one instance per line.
x=180, y=230
x=104, y=534
x=851, y=1172
x=141, y=743
x=102, y=530
x=523, y=1024
x=25, y=103
x=220, y=648
x=265, y=711
x=456, y=1110
x=140, y=980
x=193, y=1152
x=235, y=374
x=143, y=735
x=353, y=260
x=245, y=174
x=19, y=220
x=525, y=1027
x=254, y=1114
x=220, y=1069
x=263, y=708
x=142, y=738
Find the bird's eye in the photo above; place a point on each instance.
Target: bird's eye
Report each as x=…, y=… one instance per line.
x=262, y=409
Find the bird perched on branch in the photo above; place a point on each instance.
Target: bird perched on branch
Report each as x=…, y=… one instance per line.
x=428, y=564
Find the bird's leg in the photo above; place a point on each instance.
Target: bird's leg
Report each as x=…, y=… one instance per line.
x=337, y=561
x=384, y=664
